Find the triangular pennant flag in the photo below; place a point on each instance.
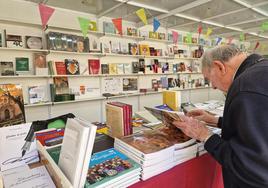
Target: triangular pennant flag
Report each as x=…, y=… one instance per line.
x=264, y=26
x=118, y=24
x=175, y=37
x=257, y=45
x=242, y=37
x=156, y=24
x=141, y=14
x=84, y=23
x=199, y=29
x=218, y=40
x=45, y=13
x=189, y=38
x=230, y=40
x=209, y=31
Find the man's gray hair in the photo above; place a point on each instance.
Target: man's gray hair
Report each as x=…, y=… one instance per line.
x=221, y=53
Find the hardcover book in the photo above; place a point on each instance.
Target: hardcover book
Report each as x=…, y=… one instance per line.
x=94, y=66
x=94, y=44
x=12, y=105
x=108, y=27
x=14, y=41
x=61, y=85
x=39, y=64
x=22, y=64
x=144, y=50
x=130, y=84
x=153, y=35
x=7, y=68
x=38, y=94
x=104, y=69
x=60, y=68
x=107, y=166
x=132, y=31
x=133, y=48
x=72, y=67
x=112, y=68
x=50, y=138
x=33, y=42
x=92, y=26
x=120, y=68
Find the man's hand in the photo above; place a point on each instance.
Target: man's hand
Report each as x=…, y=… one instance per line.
x=193, y=128
x=202, y=115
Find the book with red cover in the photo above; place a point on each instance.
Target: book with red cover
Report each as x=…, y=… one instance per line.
x=50, y=137
x=60, y=68
x=94, y=66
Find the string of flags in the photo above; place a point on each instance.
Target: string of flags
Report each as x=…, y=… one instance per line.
x=46, y=13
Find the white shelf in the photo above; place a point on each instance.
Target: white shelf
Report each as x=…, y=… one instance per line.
x=26, y=76
x=123, y=55
x=186, y=58
x=23, y=49
x=38, y=104
x=158, y=40
x=80, y=100
x=76, y=53
x=123, y=36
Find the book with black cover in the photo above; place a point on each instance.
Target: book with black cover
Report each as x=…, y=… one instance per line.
x=72, y=67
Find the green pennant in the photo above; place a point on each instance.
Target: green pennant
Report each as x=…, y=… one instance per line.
x=189, y=38
x=264, y=26
x=84, y=23
x=242, y=37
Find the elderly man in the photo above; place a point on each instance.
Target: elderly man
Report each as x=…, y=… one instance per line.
x=243, y=148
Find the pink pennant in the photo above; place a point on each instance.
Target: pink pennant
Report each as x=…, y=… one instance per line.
x=257, y=45
x=118, y=24
x=45, y=13
x=175, y=37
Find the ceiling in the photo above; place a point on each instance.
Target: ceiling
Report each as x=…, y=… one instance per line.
x=227, y=18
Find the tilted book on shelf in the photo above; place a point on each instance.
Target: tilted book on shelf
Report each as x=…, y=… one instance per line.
x=12, y=105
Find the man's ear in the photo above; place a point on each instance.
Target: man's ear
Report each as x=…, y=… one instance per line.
x=219, y=66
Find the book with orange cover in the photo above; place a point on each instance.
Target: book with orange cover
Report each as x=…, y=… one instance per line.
x=144, y=50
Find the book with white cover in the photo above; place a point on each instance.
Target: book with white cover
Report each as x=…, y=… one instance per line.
x=76, y=150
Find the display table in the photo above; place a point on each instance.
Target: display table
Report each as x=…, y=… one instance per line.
x=200, y=172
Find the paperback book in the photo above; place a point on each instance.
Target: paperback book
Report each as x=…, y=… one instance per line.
x=72, y=67
x=7, y=68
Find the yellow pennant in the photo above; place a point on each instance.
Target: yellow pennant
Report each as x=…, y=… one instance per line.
x=209, y=31
x=141, y=14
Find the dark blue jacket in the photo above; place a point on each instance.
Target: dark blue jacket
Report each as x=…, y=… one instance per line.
x=243, y=148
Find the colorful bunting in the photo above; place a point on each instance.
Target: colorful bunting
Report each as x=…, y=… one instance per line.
x=142, y=15
x=199, y=30
x=175, y=37
x=118, y=25
x=218, y=40
x=209, y=31
x=156, y=24
x=257, y=45
x=84, y=23
x=45, y=13
x=264, y=26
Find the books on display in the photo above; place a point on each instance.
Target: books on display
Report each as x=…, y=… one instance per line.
x=7, y=68
x=38, y=94
x=72, y=67
x=76, y=150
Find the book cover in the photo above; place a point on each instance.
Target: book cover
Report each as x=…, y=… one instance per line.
x=142, y=65
x=60, y=68
x=115, y=120
x=94, y=44
x=92, y=26
x=12, y=105
x=14, y=41
x=135, y=67
x=127, y=68
x=172, y=99
x=133, y=48
x=115, y=47
x=130, y=84
x=153, y=35
x=38, y=94
x=106, y=48
x=50, y=137
x=33, y=42
x=72, y=67
x=82, y=44
x=112, y=68
x=108, y=165
x=144, y=50
x=61, y=85
x=124, y=48
x=85, y=91
x=161, y=36
x=165, y=67
x=164, y=81
x=132, y=31
x=7, y=68
x=94, y=66
x=39, y=64
x=22, y=64
x=108, y=27
x=120, y=68
x=104, y=69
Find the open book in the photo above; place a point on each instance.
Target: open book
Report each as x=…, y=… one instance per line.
x=167, y=117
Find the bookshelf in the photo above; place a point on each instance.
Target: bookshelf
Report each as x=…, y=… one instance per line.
x=92, y=108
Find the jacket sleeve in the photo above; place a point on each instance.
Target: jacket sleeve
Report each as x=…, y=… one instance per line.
x=245, y=153
x=219, y=124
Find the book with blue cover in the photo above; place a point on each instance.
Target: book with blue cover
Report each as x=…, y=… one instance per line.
x=109, y=166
